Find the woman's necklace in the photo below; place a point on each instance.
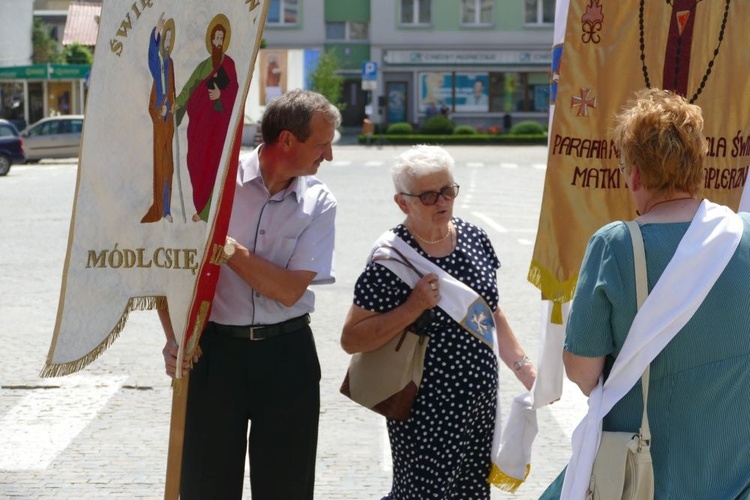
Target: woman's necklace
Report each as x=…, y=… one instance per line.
x=642, y=42
x=431, y=242
x=666, y=201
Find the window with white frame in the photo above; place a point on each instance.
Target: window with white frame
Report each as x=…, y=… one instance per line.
x=416, y=12
x=283, y=12
x=540, y=12
x=477, y=11
x=351, y=30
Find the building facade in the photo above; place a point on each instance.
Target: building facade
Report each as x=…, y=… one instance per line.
x=482, y=62
x=29, y=92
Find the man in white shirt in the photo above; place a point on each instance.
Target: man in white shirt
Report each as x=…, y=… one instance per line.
x=258, y=360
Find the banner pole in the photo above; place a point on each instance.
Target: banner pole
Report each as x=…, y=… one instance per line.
x=176, y=437
x=177, y=171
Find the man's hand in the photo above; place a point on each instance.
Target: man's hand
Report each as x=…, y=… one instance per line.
x=170, y=358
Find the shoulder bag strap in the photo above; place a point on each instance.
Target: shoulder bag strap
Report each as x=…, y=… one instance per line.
x=641, y=292
x=403, y=260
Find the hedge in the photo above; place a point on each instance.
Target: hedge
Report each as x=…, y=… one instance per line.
x=477, y=139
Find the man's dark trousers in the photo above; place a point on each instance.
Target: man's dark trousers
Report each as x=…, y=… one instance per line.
x=275, y=384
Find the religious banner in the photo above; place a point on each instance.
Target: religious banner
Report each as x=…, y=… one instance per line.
x=609, y=50
x=156, y=172
x=604, y=51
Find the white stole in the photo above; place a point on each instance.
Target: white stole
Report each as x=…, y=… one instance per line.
x=708, y=245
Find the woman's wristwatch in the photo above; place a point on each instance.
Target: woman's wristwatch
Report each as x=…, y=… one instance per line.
x=521, y=363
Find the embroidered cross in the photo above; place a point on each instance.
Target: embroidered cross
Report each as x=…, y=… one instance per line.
x=479, y=321
x=583, y=101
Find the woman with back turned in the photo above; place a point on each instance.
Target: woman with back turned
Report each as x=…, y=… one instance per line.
x=693, y=328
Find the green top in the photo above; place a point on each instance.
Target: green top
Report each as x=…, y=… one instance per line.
x=699, y=395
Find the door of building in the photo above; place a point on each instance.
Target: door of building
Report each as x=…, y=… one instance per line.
x=355, y=99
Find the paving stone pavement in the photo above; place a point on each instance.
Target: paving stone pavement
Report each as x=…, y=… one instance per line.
x=103, y=433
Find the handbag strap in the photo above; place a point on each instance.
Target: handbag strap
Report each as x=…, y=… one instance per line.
x=641, y=292
x=403, y=259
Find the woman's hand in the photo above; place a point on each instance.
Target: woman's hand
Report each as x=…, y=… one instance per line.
x=526, y=375
x=426, y=293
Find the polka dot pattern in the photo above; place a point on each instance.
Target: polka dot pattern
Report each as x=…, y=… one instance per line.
x=443, y=450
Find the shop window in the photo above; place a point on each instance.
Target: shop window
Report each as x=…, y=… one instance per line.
x=352, y=30
x=12, y=103
x=281, y=12
x=477, y=12
x=540, y=12
x=416, y=12
x=519, y=92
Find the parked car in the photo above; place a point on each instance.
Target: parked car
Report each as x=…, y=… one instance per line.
x=11, y=146
x=53, y=137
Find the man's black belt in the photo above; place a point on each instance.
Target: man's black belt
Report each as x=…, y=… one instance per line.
x=263, y=332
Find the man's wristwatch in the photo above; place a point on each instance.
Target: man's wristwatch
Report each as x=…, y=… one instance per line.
x=227, y=250
x=521, y=363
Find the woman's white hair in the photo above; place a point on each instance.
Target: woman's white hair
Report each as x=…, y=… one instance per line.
x=417, y=162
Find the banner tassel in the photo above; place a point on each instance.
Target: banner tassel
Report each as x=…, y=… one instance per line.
x=134, y=304
x=505, y=482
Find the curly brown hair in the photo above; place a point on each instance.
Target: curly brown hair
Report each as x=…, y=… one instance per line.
x=663, y=134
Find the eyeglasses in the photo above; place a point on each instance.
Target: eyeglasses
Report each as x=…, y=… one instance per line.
x=429, y=198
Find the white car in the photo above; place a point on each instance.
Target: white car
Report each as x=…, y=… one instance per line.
x=53, y=137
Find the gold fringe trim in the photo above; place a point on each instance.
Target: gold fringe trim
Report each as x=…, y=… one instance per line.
x=134, y=304
x=552, y=289
x=505, y=482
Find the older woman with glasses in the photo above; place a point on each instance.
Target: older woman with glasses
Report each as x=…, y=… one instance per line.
x=444, y=448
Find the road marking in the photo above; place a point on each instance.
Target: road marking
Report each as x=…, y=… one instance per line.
x=46, y=421
x=525, y=242
x=509, y=165
x=341, y=163
x=494, y=225
x=373, y=163
x=539, y=166
x=474, y=164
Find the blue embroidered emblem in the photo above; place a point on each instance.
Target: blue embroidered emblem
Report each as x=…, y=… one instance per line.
x=479, y=321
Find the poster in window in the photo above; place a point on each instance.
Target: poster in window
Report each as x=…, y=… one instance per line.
x=396, y=93
x=471, y=92
x=435, y=92
x=272, y=75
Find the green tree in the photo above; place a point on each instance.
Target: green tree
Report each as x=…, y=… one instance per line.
x=45, y=48
x=327, y=81
x=76, y=53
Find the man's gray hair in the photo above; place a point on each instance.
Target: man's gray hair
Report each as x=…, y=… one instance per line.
x=417, y=162
x=293, y=111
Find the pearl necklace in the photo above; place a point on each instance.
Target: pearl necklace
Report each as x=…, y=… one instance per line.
x=432, y=242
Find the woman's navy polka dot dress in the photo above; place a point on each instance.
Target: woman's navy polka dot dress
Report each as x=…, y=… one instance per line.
x=443, y=449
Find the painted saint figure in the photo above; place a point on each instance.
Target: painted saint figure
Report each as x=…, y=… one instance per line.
x=160, y=108
x=208, y=97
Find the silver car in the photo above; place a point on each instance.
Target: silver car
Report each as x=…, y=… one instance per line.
x=53, y=137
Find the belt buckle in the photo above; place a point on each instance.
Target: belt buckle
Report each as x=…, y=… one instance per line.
x=252, y=332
